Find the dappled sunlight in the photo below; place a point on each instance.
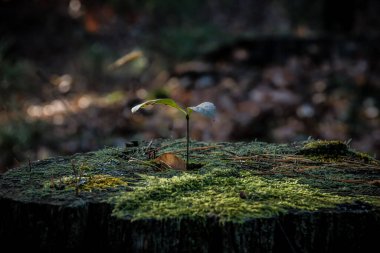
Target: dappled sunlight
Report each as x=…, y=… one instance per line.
x=76, y=104
x=271, y=78
x=63, y=83
x=75, y=9
x=47, y=110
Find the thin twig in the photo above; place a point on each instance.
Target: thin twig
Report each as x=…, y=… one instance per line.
x=196, y=149
x=187, y=140
x=29, y=165
x=132, y=159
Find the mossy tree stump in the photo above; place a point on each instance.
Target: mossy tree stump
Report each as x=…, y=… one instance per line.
x=315, y=196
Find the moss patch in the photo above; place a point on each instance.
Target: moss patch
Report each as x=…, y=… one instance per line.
x=236, y=182
x=322, y=147
x=331, y=151
x=230, y=195
x=86, y=183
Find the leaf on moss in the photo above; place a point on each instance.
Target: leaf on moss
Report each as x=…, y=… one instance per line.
x=172, y=161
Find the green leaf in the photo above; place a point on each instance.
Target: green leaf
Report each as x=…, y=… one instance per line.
x=162, y=101
x=206, y=108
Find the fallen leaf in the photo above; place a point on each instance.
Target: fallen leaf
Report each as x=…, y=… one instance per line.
x=172, y=161
x=134, y=55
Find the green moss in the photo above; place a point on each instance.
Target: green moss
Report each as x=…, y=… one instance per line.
x=237, y=181
x=364, y=157
x=86, y=183
x=324, y=148
x=230, y=195
x=333, y=145
x=375, y=201
x=332, y=151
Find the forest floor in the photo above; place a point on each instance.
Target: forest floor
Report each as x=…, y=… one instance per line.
x=62, y=91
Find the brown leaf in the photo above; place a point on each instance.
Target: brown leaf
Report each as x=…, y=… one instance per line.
x=172, y=161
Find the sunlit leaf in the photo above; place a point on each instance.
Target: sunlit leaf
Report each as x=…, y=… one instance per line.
x=162, y=101
x=172, y=161
x=206, y=108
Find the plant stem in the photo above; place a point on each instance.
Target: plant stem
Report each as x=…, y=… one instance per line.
x=187, y=140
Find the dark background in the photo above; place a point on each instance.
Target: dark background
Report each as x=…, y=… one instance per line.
x=278, y=71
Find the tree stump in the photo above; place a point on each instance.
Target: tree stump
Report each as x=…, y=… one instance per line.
x=314, y=196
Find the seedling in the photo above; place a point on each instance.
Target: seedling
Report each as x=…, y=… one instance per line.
x=206, y=108
x=78, y=172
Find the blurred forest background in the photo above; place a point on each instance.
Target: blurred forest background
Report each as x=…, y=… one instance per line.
x=277, y=70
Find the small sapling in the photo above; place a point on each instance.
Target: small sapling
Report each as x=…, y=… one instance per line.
x=206, y=108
